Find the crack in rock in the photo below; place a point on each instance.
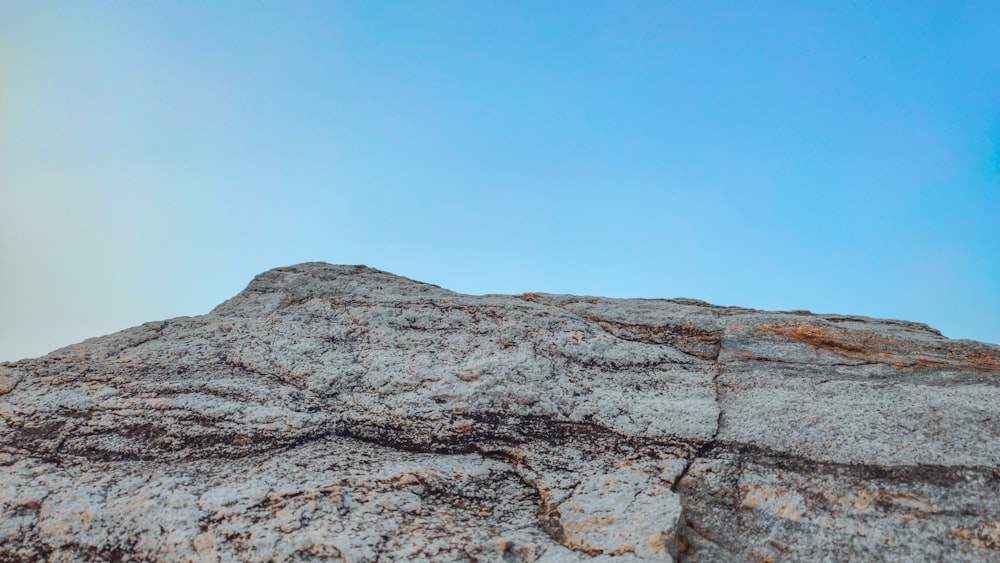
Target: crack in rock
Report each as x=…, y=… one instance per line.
x=344, y=412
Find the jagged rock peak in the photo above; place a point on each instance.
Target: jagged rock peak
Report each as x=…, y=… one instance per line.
x=345, y=412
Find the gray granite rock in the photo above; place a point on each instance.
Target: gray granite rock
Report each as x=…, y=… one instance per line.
x=343, y=413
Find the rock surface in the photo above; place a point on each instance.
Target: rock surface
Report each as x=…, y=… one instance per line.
x=343, y=413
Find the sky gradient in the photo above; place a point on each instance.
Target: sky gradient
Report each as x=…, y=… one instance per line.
x=837, y=157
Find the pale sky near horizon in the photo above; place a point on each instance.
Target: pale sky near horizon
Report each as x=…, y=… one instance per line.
x=840, y=157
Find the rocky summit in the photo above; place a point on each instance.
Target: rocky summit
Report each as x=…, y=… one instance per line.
x=344, y=413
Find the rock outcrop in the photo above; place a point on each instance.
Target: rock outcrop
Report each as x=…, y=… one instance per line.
x=343, y=413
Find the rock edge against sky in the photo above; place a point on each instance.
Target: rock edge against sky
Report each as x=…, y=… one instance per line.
x=344, y=413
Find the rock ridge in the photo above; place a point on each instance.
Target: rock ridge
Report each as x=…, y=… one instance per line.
x=343, y=412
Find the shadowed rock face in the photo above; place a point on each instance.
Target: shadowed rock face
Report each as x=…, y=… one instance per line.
x=340, y=412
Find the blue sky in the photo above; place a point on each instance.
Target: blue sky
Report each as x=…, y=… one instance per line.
x=832, y=156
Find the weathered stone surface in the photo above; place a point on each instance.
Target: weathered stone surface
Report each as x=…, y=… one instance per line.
x=340, y=412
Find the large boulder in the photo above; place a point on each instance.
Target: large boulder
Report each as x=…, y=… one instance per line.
x=341, y=412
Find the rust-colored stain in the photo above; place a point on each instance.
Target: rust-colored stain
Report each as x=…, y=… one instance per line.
x=839, y=342
x=929, y=362
x=407, y=479
x=872, y=348
x=467, y=376
x=987, y=535
x=983, y=359
x=780, y=502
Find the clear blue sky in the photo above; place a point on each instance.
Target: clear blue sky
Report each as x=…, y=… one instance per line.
x=832, y=156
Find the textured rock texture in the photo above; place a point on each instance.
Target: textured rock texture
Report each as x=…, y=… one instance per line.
x=343, y=413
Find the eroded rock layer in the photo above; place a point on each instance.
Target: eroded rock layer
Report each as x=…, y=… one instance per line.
x=343, y=413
